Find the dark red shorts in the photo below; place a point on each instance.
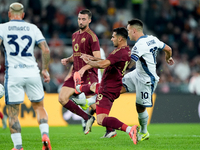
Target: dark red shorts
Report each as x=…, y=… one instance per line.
x=103, y=105
x=88, y=78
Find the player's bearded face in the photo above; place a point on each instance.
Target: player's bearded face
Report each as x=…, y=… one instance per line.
x=83, y=21
x=82, y=27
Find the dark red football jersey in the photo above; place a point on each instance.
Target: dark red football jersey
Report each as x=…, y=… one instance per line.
x=86, y=43
x=111, y=83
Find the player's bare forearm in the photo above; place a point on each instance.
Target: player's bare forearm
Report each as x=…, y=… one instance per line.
x=101, y=64
x=168, y=55
x=96, y=59
x=168, y=52
x=89, y=57
x=131, y=64
x=71, y=58
x=96, y=54
x=45, y=54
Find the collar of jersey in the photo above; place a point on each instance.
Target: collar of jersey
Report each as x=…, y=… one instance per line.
x=144, y=36
x=18, y=20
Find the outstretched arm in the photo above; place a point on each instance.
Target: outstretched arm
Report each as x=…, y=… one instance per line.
x=90, y=57
x=168, y=55
x=101, y=64
x=96, y=54
x=45, y=60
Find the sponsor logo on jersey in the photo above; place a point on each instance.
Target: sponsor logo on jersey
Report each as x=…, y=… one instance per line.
x=77, y=54
x=23, y=66
x=73, y=40
x=16, y=28
x=76, y=47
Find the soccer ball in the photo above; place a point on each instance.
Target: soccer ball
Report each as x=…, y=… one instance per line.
x=2, y=91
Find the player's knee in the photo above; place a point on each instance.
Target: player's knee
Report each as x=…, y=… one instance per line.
x=63, y=99
x=140, y=108
x=99, y=121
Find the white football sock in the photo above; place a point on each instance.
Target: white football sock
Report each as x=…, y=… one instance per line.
x=82, y=120
x=143, y=120
x=128, y=129
x=44, y=129
x=17, y=140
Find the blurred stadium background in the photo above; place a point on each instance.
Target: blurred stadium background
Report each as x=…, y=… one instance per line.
x=176, y=22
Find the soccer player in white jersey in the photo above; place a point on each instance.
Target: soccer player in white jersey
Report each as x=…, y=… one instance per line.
x=144, y=79
x=22, y=73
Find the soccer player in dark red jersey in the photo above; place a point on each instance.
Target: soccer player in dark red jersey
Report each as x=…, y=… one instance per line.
x=83, y=41
x=110, y=86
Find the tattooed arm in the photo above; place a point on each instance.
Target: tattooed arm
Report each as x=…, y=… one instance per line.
x=45, y=60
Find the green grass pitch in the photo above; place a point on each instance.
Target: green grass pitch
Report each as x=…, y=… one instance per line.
x=162, y=137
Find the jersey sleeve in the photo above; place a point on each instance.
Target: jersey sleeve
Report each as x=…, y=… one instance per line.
x=39, y=37
x=115, y=56
x=136, y=52
x=160, y=44
x=94, y=43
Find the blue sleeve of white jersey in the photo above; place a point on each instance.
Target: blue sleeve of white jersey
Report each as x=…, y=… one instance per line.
x=134, y=57
x=38, y=42
x=160, y=49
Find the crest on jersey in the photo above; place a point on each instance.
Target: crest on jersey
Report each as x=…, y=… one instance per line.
x=76, y=47
x=73, y=40
x=82, y=40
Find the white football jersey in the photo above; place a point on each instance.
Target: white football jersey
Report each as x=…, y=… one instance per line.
x=144, y=53
x=19, y=39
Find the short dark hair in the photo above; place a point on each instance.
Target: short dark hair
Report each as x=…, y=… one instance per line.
x=86, y=11
x=121, y=31
x=136, y=22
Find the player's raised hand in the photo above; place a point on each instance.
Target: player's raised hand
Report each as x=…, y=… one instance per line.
x=170, y=61
x=46, y=76
x=65, y=61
